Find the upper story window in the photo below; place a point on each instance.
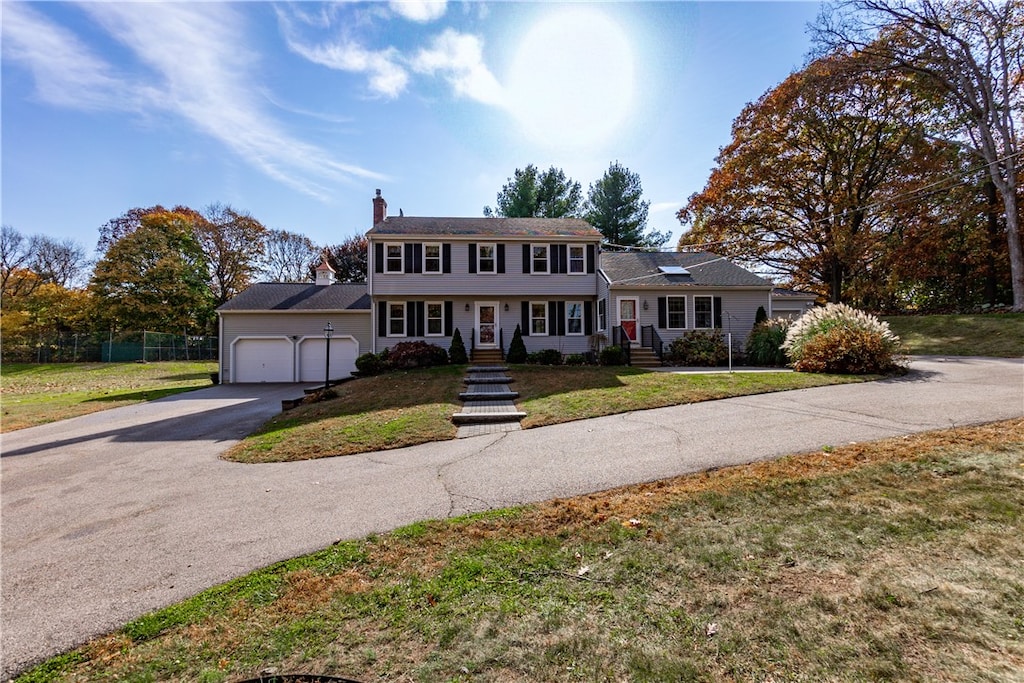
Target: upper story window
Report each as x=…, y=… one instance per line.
x=538, y=318
x=393, y=258
x=703, y=312
x=676, y=309
x=486, y=260
x=577, y=259
x=539, y=258
x=574, y=317
x=432, y=258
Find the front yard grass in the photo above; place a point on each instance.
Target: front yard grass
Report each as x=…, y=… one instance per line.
x=34, y=394
x=891, y=560
x=999, y=335
x=408, y=408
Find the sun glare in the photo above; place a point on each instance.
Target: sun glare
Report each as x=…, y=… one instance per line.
x=572, y=79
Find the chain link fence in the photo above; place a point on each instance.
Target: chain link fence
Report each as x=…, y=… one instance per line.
x=108, y=347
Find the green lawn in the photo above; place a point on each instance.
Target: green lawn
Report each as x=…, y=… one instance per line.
x=408, y=408
x=34, y=394
x=897, y=560
x=999, y=335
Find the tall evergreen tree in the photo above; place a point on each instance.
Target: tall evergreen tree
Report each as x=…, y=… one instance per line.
x=530, y=193
x=616, y=208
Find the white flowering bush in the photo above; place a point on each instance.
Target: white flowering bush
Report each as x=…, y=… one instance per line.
x=839, y=338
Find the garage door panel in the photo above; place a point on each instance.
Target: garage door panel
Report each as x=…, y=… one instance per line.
x=312, y=354
x=263, y=360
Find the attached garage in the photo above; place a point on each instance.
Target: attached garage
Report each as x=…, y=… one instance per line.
x=263, y=360
x=274, y=332
x=313, y=356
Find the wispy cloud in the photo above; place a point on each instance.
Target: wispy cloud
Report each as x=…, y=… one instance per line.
x=458, y=57
x=664, y=207
x=420, y=10
x=193, y=66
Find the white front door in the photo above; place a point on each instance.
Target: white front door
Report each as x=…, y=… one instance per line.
x=487, y=325
x=627, y=316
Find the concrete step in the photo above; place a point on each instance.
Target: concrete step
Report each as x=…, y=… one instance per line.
x=487, y=368
x=469, y=418
x=484, y=378
x=502, y=395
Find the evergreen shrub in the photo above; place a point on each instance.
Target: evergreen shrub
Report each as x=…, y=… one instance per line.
x=764, y=345
x=698, y=348
x=516, y=348
x=457, y=350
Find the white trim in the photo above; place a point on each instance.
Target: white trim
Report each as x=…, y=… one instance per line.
x=668, y=313
x=440, y=258
x=712, y=299
x=547, y=259
x=569, y=333
x=305, y=338
x=547, y=332
x=405, y=319
x=493, y=257
x=244, y=337
x=401, y=258
x=426, y=319
x=636, y=314
x=568, y=267
x=496, y=323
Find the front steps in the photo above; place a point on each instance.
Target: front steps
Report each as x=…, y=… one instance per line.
x=483, y=357
x=488, y=403
x=643, y=357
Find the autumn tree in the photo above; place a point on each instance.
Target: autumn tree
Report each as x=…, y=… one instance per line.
x=130, y=221
x=288, y=256
x=155, y=277
x=616, y=207
x=530, y=193
x=16, y=253
x=59, y=262
x=349, y=259
x=232, y=243
x=972, y=53
x=798, y=188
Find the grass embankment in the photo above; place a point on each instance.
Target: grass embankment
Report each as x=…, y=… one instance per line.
x=408, y=408
x=33, y=394
x=999, y=335
x=893, y=560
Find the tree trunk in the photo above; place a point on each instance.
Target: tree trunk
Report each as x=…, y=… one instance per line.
x=1008, y=189
x=991, y=279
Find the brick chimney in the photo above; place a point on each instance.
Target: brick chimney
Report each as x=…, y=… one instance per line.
x=380, y=209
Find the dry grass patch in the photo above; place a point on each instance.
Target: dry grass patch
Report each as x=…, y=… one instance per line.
x=894, y=560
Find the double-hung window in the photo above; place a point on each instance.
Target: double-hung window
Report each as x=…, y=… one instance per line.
x=486, y=261
x=396, y=319
x=393, y=258
x=577, y=259
x=601, y=312
x=538, y=318
x=432, y=258
x=574, y=317
x=703, y=312
x=435, y=318
x=676, y=308
x=539, y=258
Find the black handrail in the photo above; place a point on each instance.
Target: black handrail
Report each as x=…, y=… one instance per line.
x=621, y=339
x=501, y=342
x=472, y=341
x=657, y=344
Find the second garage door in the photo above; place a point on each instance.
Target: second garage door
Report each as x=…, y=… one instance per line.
x=312, y=354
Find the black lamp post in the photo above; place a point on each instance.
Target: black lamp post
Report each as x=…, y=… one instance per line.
x=328, y=333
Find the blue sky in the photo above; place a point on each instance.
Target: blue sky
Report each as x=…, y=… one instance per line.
x=297, y=112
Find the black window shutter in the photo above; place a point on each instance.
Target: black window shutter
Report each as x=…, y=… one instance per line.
x=417, y=258
x=563, y=258
x=561, y=318
x=527, y=263
x=717, y=309
x=472, y=258
x=591, y=260
x=421, y=316
x=588, y=318
x=446, y=258
x=410, y=318
x=662, y=312
x=552, y=317
x=449, y=313
x=501, y=258
x=378, y=257
x=525, y=329
x=382, y=319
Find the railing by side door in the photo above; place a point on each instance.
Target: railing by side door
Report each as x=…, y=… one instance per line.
x=649, y=338
x=621, y=339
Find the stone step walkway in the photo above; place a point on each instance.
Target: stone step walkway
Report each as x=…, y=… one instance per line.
x=488, y=403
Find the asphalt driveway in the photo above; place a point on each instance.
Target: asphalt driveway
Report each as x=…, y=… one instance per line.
x=111, y=515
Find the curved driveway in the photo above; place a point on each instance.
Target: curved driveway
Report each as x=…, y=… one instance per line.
x=111, y=515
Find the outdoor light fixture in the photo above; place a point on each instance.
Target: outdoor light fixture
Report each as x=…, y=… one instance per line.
x=328, y=333
x=467, y=307
x=645, y=304
x=506, y=307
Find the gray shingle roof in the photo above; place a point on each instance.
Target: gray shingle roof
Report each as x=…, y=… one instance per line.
x=640, y=269
x=485, y=227
x=281, y=296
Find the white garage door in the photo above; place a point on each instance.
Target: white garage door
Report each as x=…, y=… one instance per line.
x=312, y=353
x=263, y=360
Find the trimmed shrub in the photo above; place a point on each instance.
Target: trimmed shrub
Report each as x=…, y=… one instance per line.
x=699, y=348
x=764, y=345
x=457, y=351
x=370, y=364
x=416, y=354
x=545, y=357
x=761, y=316
x=839, y=338
x=613, y=355
x=516, y=348
x=575, y=359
